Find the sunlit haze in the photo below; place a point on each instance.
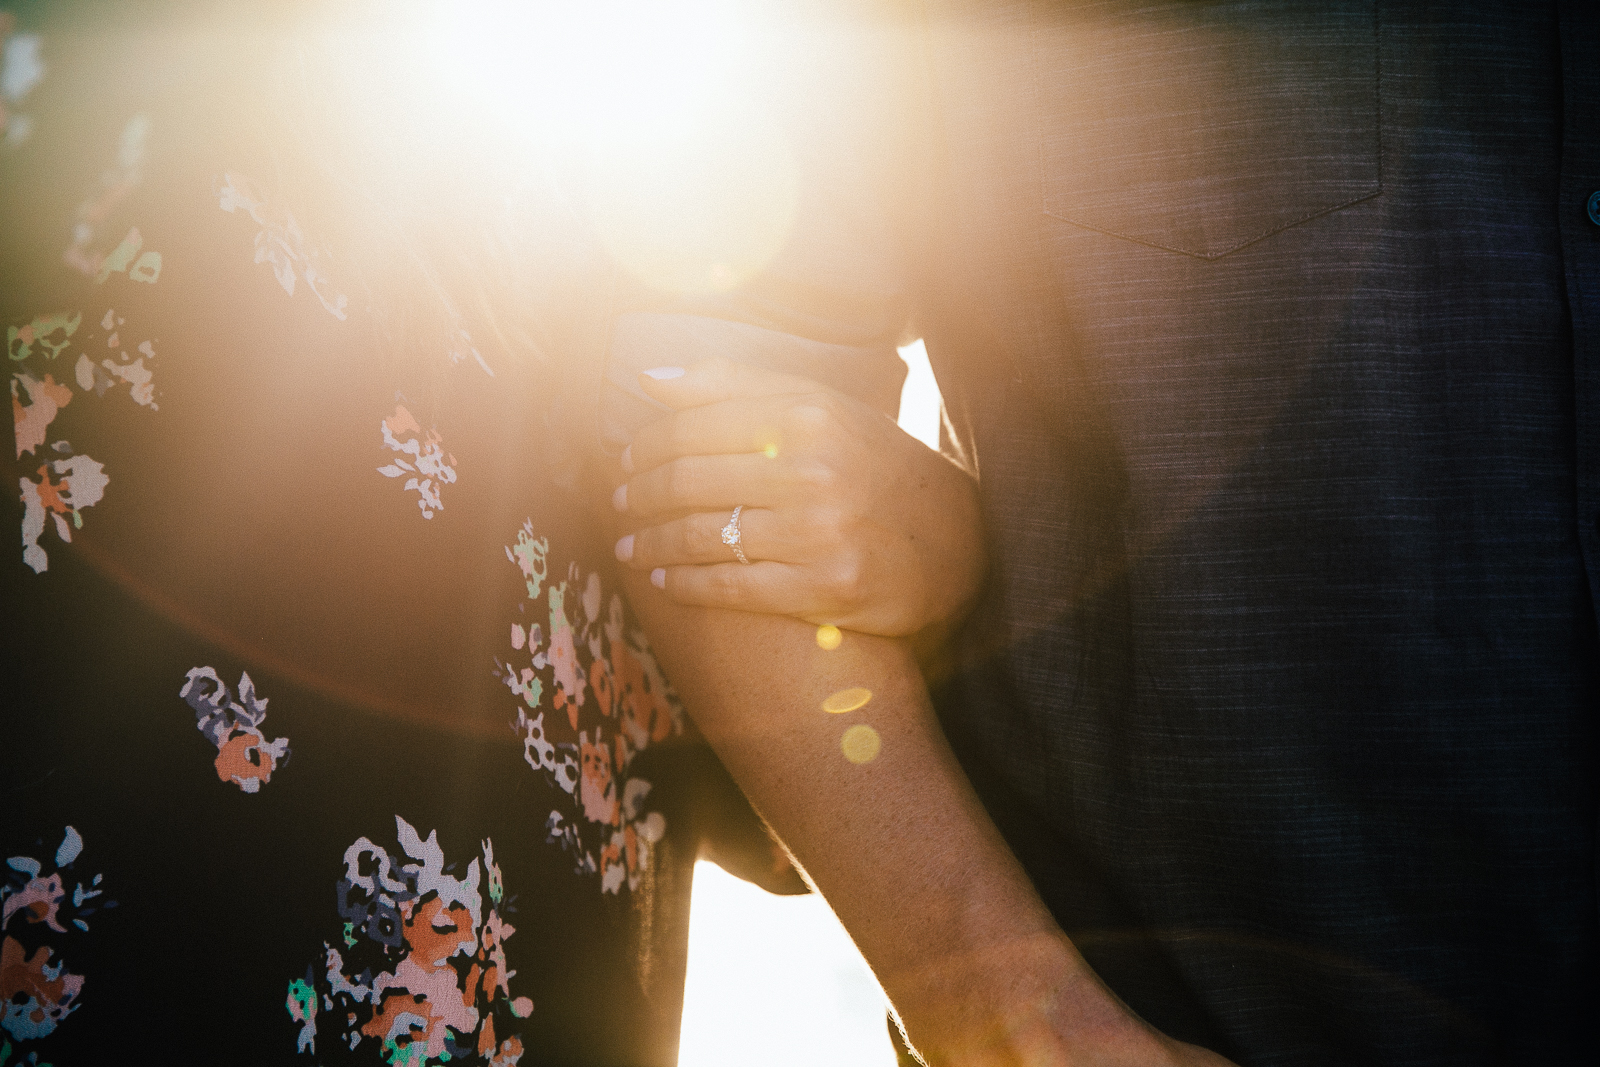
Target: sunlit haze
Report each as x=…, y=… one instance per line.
x=775, y=982
x=692, y=188
x=690, y=184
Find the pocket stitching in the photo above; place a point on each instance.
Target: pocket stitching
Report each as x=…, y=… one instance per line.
x=1376, y=190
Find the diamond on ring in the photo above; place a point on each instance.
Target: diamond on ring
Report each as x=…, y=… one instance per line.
x=733, y=538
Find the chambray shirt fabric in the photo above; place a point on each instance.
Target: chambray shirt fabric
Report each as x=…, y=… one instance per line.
x=1269, y=329
x=1284, y=685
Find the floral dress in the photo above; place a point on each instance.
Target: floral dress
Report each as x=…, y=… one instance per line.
x=327, y=734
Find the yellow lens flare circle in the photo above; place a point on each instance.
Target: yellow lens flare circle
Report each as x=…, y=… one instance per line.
x=860, y=744
x=847, y=700
x=768, y=441
x=828, y=638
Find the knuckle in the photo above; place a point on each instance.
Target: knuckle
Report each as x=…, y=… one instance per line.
x=698, y=538
x=816, y=476
x=810, y=417
x=847, y=578
x=725, y=584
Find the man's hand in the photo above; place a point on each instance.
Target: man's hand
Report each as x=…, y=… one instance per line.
x=1029, y=1001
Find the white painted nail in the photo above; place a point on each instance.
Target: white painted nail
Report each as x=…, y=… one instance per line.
x=658, y=577
x=624, y=549
x=627, y=460
x=619, y=499
x=662, y=374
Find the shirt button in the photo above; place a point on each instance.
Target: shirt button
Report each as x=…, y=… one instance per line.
x=1594, y=207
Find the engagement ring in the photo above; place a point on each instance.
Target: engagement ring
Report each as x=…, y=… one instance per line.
x=733, y=538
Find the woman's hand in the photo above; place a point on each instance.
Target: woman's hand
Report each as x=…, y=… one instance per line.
x=845, y=518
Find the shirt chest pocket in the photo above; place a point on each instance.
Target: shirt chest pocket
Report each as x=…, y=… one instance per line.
x=1201, y=127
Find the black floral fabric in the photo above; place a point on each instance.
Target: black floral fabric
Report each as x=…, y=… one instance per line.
x=327, y=735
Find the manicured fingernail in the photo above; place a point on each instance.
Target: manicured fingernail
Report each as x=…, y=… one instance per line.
x=619, y=499
x=627, y=460
x=662, y=374
x=658, y=577
x=625, y=549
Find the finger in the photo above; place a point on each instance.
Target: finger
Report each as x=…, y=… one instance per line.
x=765, y=587
x=767, y=424
x=698, y=539
x=705, y=483
x=713, y=380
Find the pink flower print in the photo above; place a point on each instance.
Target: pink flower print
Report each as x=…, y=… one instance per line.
x=146, y=268
x=82, y=484
x=45, y=399
x=39, y=900
x=602, y=822
x=496, y=977
x=244, y=755
x=280, y=242
x=563, y=657
x=597, y=787
x=560, y=762
x=531, y=557
x=510, y=1051
x=605, y=692
x=426, y=976
x=36, y=990
x=248, y=759
x=36, y=994
x=104, y=375
x=429, y=468
x=51, y=333
x=646, y=715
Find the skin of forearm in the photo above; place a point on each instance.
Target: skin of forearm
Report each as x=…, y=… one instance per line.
x=900, y=846
x=755, y=685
